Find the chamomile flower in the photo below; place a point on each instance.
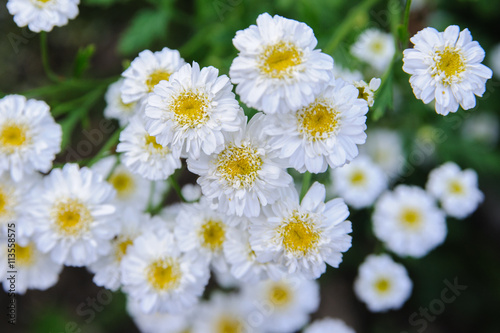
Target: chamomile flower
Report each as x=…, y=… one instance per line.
x=245, y=174
x=456, y=189
x=146, y=71
x=303, y=237
x=367, y=91
x=191, y=192
x=277, y=68
x=42, y=15
x=74, y=215
x=375, y=47
x=323, y=133
x=328, y=325
x=408, y=221
x=29, y=136
x=360, y=182
x=115, y=107
x=193, y=110
x=161, y=277
x=143, y=155
x=382, y=284
x=446, y=67
x=385, y=147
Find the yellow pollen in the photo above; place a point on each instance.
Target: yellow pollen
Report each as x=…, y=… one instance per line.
x=228, y=324
x=191, y=109
x=164, y=274
x=213, y=235
x=152, y=140
x=155, y=78
x=455, y=187
x=279, y=60
x=382, y=285
x=299, y=236
x=25, y=254
x=279, y=294
x=411, y=217
x=3, y=203
x=128, y=107
x=123, y=183
x=121, y=246
x=377, y=46
x=358, y=178
x=317, y=121
x=450, y=63
x=12, y=137
x=362, y=94
x=239, y=166
x=71, y=217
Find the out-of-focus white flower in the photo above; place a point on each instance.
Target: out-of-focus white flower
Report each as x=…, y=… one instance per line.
x=367, y=91
x=494, y=57
x=350, y=76
x=375, y=47
x=328, y=325
x=115, y=107
x=385, y=147
x=482, y=127
x=191, y=192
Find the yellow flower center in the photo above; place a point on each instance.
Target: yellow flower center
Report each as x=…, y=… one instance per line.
x=152, y=140
x=3, y=203
x=411, y=217
x=121, y=246
x=280, y=294
x=362, y=93
x=213, y=234
x=71, y=217
x=317, y=121
x=450, y=63
x=123, y=182
x=358, y=178
x=228, y=324
x=155, y=78
x=376, y=46
x=164, y=274
x=382, y=285
x=279, y=60
x=25, y=255
x=191, y=109
x=13, y=136
x=456, y=187
x=239, y=166
x=299, y=234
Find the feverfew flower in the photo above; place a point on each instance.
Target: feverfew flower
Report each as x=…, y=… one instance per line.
x=245, y=174
x=146, y=71
x=191, y=192
x=385, y=147
x=375, y=47
x=29, y=136
x=323, y=133
x=446, y=67
x=367, y=91
x=115, y=107
x=382, y=284
x=193, y=110
x=42, y=15
x=73, y=213
x=408, y=221
x=328, y=325
x=277, y=68
x=144, y=155
x=360, y=182
x=302, y=237
x=456, y=189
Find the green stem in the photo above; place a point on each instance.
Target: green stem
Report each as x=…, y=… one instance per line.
x=306, y=182
x=45, y=58
x=406, y=21
x=113, y=140
x=176, y=187
x=152, y=188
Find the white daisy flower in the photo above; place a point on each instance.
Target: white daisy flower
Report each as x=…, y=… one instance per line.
x=456, y=189
x=286, y=304
x=350, y=76
x=146, y=71
x=323, y=133
x=143, y=155
x=193, y=110
x=277, y=68
x=29, y=136
x=367, y=91
x=382, y=284
x=385, y=147
x=191, y=192
x=159, y=276
x=115, y=107
x=302, y=237
x=408, y=221
x=42, y=15
x=245, y=174
x=360, y=182
x=328, y=325
x=74, y=216
x=375, y=47
x=446, y=67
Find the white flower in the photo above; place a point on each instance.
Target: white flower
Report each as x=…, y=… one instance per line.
x=382, y=284
x=142, y=153
x=146, y=71
x=446, y=66
x=360, y=182
x=29, y=136
x=73, y=213
x=456, y=189
x=193, y=110
x=277, y=68
x=115, y=107
x=42, y=15
x=494, y=56
x=191, y=192
x=408, y=221
x=245, y=174
x=375, y=47
x=286, y=304
x=367, y=91
x=302, y=237
x=328, y=325
x=385, y=147
x=159, y=276
x=482, y=127
x=350, y=76
x=323, y=133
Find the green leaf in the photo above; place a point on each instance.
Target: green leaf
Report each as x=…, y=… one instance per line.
x=82, y=60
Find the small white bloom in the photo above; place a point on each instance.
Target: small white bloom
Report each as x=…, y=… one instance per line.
x=193, y=110
x=29, y=136
x=367, y=91
x=302, y=237
x=146, y=71
x=408, y=221
x=350, y=76
x=385, y=147
x=446, y=67
x=382, y=284
x=482, y=127
x=456, y=189
x=42, y=15
x=191, y=192
x=328, y=325
x=277, y=68
x=115, y=107
x=360, y=182
x=144, y=155
x=375, y=47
